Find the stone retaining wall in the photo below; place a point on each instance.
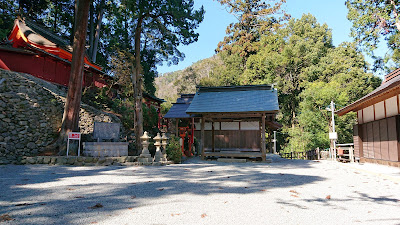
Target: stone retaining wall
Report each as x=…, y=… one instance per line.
x=30, y=115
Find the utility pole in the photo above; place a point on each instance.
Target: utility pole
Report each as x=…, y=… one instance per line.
x=333, y=130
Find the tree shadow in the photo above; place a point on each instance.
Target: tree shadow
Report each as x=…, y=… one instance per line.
x=333, y=202
x=40, y=194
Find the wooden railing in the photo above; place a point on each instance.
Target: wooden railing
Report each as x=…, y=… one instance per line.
x=344, y=153
x=309, y=155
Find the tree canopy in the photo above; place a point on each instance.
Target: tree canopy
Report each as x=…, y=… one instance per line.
x=374, y=20
x=308, y=71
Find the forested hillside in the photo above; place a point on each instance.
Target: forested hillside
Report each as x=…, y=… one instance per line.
x=184, y=81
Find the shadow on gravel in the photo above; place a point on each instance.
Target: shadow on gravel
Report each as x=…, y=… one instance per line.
x=39, y=194
x=332, y=203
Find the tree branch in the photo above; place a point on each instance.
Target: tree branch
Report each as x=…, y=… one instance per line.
x=396, y=16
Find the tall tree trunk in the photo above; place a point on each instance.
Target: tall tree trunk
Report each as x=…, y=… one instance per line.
x=70, y=120
x=74, y=22
x=97, y=35
x=91, y=28
x=137, y=87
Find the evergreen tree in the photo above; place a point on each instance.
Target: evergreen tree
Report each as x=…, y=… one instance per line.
x=373, y=20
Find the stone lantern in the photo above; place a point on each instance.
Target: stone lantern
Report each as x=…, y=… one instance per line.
x=145, y=156
x=164, y=145
x=158, y=155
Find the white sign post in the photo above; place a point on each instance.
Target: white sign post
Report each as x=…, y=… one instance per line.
x=74, y=136
x=333, y=136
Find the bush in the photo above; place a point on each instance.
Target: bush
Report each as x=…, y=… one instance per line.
x=173, y=150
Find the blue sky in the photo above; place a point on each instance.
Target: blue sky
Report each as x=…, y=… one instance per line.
x=216, y=19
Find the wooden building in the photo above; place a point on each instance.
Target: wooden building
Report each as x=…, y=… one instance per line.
x=184, y=123
x=234, y=120
x=377, y=134
x=35, y=50
x=153, y=101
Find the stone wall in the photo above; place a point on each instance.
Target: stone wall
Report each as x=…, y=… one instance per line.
x=30, y=115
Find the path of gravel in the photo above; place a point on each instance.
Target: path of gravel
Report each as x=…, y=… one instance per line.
x=201, y=192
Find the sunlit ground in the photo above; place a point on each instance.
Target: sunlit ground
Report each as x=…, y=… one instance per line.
x=198, y=192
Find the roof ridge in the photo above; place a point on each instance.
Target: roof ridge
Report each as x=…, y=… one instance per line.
x=43, y=30
x=236, y=88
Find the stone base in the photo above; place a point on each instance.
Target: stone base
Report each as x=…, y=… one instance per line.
x=91, y=161
x=229, y=160
x=380, y=161
x=105, y=149
x=144, y=160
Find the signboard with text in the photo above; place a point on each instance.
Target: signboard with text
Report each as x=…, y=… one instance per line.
x=74, y=135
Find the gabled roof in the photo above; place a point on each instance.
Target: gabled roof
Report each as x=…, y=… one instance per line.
x=178, y=109
x=389, y=88
x=152, y=97
x=27, y=34
x=234, y=99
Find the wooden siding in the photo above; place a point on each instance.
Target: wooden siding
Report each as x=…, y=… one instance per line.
x=364, y=139
x=357, y=141
x=370, y=134
x=233, y=139
x=378, y=140
x=392, y=135
x=384, y=139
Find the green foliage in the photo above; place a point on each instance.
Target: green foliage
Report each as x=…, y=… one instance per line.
x=309, y=72
x=102, y=98
x=150, y=119
x=173, y=150
x=254, y=19
x=341, y=78
x=185, y=81
x=8, y=10
x=372, y=20
x=285, y=58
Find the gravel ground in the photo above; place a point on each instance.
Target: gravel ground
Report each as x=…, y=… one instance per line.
x=202, y=192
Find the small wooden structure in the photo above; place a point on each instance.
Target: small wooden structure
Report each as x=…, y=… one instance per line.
x=153, y=101
x=235, y=120
x=178, y=112
x=377, y=135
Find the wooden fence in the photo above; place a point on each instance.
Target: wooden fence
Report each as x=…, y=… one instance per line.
x=344, y=153
x=309, y=155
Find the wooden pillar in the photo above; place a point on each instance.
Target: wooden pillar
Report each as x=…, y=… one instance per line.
x=192, y=130
x=212, y=137
x=263, y=150
x=269, y=140
x=202, y=137
x=176, y=128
